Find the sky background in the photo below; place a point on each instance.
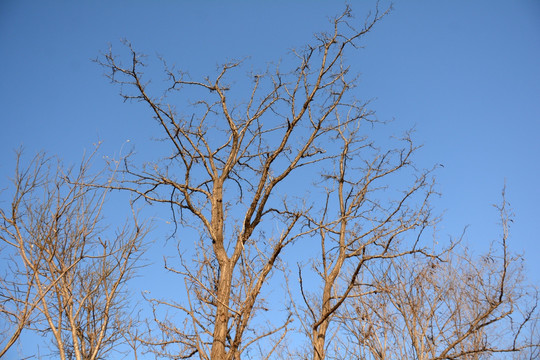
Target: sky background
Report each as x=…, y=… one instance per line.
x=465, y=74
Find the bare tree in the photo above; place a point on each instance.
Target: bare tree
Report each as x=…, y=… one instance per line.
x=227, y=173
x=66, y=273
x=362, y=223
x=455, y=307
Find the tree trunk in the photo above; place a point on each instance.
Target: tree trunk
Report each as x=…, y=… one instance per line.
x=221, y=327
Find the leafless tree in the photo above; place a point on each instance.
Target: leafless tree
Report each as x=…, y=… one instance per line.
x=66, y=272
x=456, y=307
x=361, y=224
x=231, y=162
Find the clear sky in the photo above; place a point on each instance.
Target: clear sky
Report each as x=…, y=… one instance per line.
x=465, y=74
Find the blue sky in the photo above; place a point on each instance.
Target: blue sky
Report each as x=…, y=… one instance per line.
x=464, y=74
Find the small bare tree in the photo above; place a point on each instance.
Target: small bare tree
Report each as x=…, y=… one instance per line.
x=363, y=222
x=66, y=273
x=454, y=307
